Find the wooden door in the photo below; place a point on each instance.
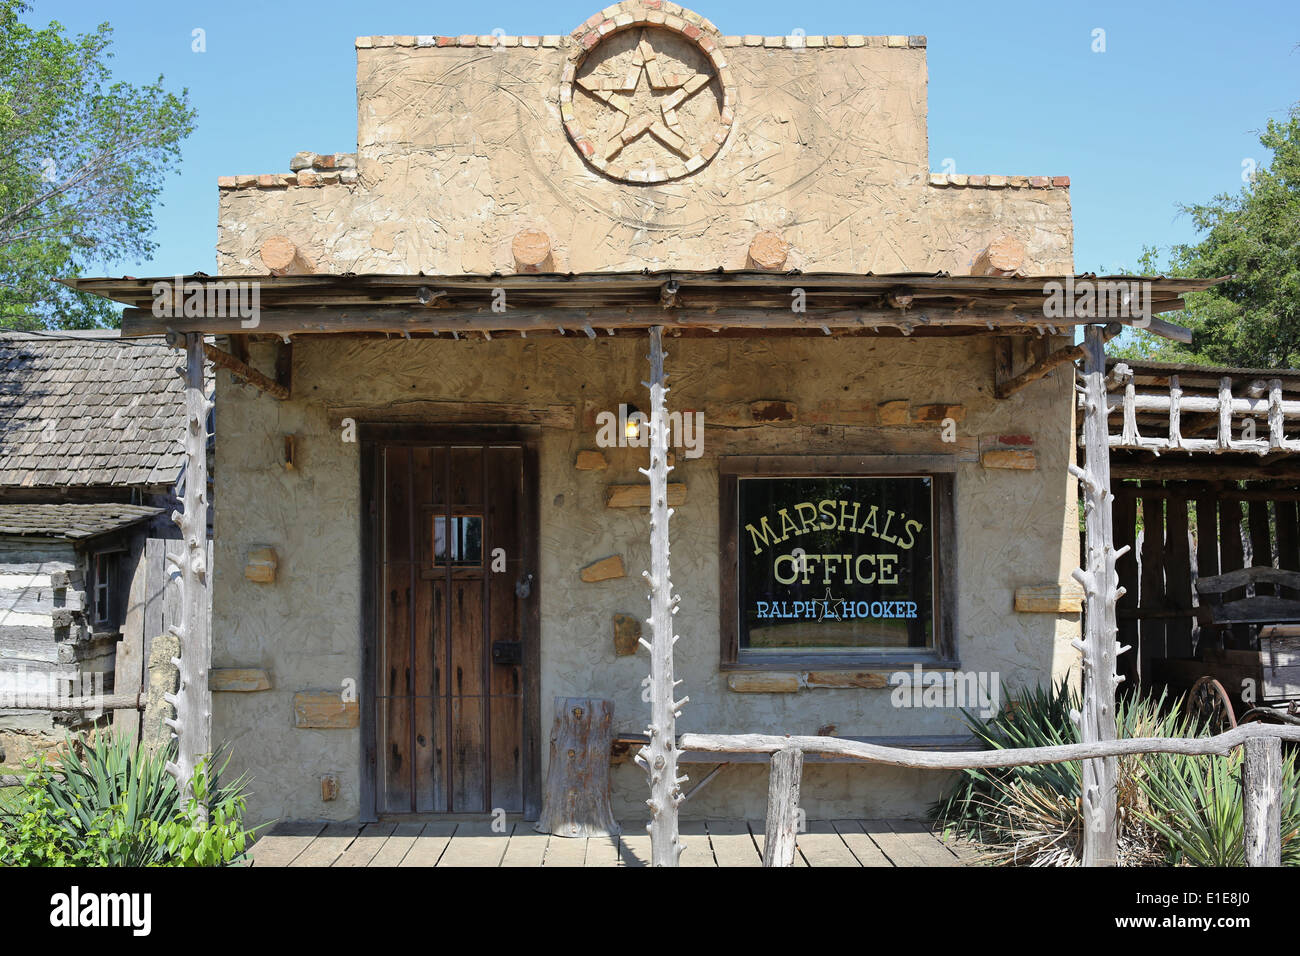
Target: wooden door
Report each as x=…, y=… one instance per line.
x=450, y=615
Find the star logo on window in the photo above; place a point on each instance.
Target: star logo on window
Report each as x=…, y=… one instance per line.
x=649, y=107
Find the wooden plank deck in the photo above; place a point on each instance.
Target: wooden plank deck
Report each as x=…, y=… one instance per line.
x=713, y=843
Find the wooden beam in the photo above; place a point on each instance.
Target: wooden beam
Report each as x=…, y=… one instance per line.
x=245, y=373
x=400, y=320
x=889, y=756
x=465, y=413
x=1044, y=368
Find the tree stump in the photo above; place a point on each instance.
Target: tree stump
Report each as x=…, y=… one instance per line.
x=576, y=802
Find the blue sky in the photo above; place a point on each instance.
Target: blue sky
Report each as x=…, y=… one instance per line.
x=1166, y=115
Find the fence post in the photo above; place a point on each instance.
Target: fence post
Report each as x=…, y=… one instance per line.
x=1261, y=790
x=782, y=827
x=1102, y=592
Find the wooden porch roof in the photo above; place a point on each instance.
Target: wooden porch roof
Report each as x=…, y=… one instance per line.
x=743, y=302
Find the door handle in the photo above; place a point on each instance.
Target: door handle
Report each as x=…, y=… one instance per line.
x=524, y=587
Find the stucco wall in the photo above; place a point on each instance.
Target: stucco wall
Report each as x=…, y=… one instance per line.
x=1015, y=528
x=460, y=148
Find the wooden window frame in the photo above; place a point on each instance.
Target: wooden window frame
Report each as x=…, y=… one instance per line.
x=105, y=573
x=942, y=469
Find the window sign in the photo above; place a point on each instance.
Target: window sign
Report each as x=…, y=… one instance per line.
x=836, y=563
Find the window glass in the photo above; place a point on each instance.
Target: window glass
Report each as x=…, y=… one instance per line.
x=458, y=539
x=828, y=564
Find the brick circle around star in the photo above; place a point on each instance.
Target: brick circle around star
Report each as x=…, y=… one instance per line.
x=657, y=15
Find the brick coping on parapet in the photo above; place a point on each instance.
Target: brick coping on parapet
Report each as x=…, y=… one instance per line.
x=556, y=41
x=317, y=176
x=999, y=182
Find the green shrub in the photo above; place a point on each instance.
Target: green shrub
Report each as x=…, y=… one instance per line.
x=108, y=803
x=1171, y=809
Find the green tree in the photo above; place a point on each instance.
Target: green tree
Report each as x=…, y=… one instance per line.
x=81, y=166
x=1253, y=318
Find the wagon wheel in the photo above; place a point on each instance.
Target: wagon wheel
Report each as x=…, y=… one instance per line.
x=1208, y=701
x=1269, y=716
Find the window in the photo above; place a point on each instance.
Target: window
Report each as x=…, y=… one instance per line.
x=458, y=540
x=105, y=583
x=832, y=562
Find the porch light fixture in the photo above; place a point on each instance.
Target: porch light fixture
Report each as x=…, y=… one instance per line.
x=632, y=423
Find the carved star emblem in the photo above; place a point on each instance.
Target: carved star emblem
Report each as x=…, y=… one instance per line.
x=669, y=90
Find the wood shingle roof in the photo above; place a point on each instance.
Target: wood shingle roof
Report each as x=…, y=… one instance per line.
x=74, y=521
x=89, y=409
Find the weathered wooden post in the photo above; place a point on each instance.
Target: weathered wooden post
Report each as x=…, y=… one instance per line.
x=193, y=699
x=659, y=756
x=1102, y=592
x=1261, y=791
x=576, y=803
x=782, y=829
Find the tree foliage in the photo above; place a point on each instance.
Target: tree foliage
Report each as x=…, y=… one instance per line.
x=1253, y=318
x=81, y=169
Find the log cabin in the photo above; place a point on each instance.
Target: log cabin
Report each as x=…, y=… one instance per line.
x=424, y=538
x=88, y=462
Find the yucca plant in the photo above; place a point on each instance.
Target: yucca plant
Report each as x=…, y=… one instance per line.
x=1195, y=804
x=1033, y=815
x=109, y=801
x=103, y=772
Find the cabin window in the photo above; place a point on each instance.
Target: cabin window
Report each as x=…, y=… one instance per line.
x=834, y=568
x=104, y=575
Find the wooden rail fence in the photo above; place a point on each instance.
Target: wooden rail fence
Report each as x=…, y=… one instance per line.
x=1261, y=780
x=130, y=702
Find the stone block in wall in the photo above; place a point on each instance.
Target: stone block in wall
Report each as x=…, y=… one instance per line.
x=939, y=412
x=1008, y=451
x=261, y=565
x=239, y=680
x=773, y=412
x=894, y=413
x=163, y=678
x=589, y=460
x=762, y=683
x=627, y=634
x=606, y=569
x=1016, y=459
x=638, y=496
x=1051, y=599
x=324, y=710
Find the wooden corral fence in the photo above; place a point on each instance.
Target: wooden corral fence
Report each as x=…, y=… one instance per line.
x=1261, y=780
x=153, y=607
x=1180, y=531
